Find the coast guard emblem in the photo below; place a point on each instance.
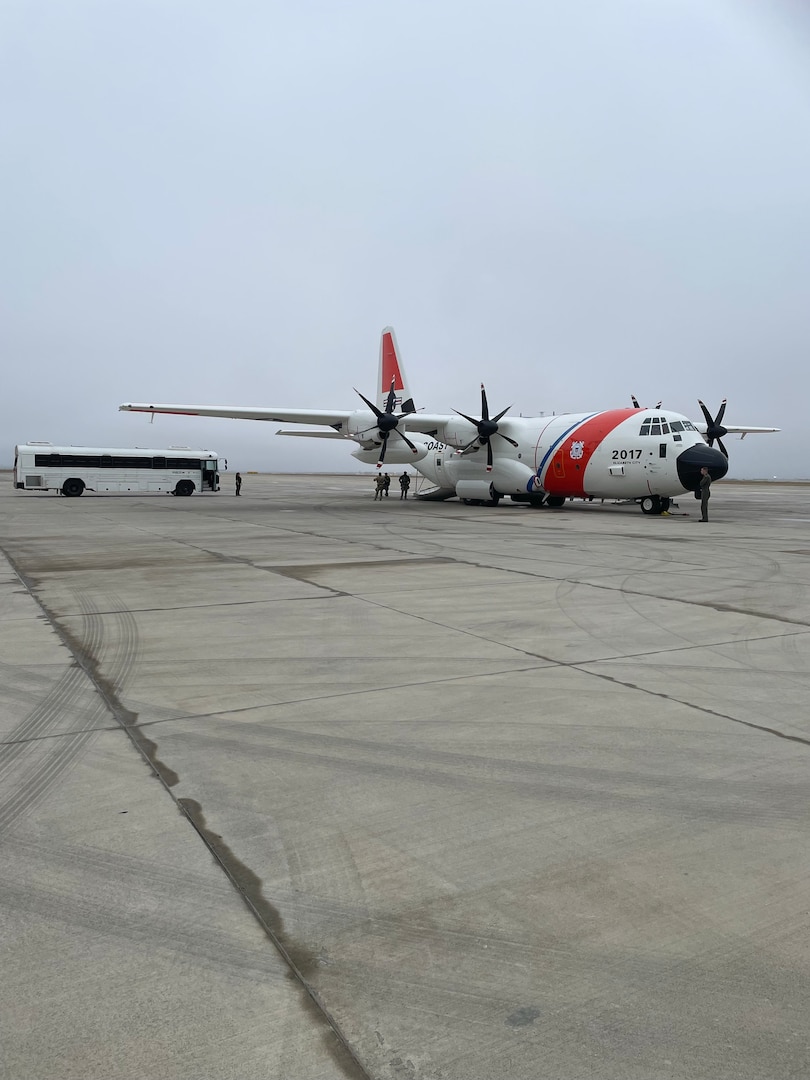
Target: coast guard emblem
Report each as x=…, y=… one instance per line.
x=577, y=450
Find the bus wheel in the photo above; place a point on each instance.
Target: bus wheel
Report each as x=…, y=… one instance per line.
x=185, y=487
x=73, y=487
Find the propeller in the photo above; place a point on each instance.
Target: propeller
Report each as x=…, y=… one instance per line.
x=636, y=405
x=487, y=427
x=714, y=426
x=387, y=421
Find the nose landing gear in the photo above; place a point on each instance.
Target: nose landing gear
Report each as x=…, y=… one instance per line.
x=654, y=504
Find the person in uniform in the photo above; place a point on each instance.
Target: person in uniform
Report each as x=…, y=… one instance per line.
x=404, y=484
x=379, y=482
x=386, y=484
x=238, y=479
x=705, y=493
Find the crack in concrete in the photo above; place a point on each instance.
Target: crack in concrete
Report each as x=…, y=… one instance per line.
x=299, y=960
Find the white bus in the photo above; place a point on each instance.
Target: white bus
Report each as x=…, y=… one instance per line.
x=40, y=466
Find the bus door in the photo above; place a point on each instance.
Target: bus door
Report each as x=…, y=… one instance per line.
x=210, y=474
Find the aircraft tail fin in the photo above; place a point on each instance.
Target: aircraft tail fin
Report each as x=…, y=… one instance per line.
x=391, y=369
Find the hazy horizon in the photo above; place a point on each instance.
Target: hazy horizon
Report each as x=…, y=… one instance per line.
x=570, y=203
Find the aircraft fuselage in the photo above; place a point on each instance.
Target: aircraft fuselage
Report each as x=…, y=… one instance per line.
x=618, y=454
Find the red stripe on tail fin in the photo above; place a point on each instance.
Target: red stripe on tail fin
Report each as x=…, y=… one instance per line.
x=390, y=369
x=390, y=363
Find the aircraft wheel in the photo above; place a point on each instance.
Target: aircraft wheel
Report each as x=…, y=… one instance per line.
x=73, y=487
x=536, y=500
x=651, y=504
x=555, y=501
x=665, y=505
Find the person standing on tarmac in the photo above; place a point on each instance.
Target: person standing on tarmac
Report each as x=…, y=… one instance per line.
x=404, y=484
x=386, y=484
x=238, y=479
x=705, y=493
x=379, y=486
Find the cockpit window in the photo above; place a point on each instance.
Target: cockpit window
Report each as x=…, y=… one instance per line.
x=676, y=425
x=654, y=425
x=657, y=425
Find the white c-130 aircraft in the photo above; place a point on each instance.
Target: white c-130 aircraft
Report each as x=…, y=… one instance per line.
x=642, y=455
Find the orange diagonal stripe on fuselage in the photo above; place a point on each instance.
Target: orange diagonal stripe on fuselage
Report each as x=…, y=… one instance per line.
x=565, y=475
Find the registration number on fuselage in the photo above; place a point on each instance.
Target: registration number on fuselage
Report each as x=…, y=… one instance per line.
x=626, y=455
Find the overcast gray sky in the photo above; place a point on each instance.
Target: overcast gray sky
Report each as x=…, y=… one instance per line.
x=571, y=202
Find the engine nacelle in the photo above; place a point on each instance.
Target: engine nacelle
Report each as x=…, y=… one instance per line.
x=397, y=453
x=457, y=432
x=510, y=477
x=362, y=426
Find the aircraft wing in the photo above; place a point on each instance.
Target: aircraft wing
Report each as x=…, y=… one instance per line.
x=313, y=434
x=322, y=417
x=738, y=429
x=426, y=423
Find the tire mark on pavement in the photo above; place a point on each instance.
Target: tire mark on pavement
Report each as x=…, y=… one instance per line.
x=38, y=764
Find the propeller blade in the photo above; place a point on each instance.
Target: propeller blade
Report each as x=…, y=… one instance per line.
x=391, y=400
x=484, y=406
x=373, y=408
x=383, y=448
x=405, y=439
x=714, y=428
x=634, y=399
x=487, y=427
x=721, y=447
x=501, y=435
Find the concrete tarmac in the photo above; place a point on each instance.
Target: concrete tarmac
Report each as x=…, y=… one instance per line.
x=307, y=786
